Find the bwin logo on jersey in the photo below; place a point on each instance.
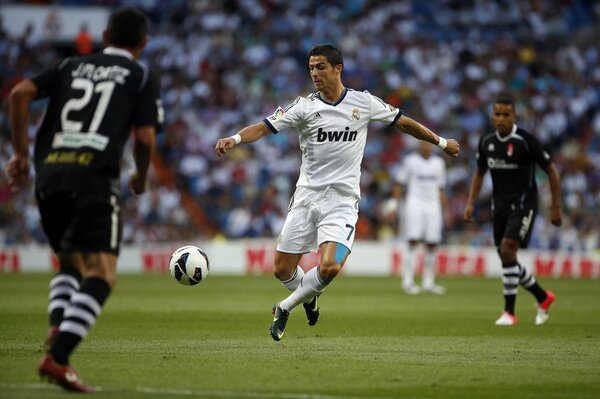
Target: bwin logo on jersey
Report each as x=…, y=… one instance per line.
x=335, y=135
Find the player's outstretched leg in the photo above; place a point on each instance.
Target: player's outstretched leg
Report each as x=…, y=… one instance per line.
x=312, y=311
x=280, y=318
x=543, y=307
x=65, y=376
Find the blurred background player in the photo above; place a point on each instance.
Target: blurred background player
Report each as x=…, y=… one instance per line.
x=423, y=178
x=332, y=124
x=511, y=154
x=95, y=103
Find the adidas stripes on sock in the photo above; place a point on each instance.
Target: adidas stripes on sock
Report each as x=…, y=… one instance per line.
x=79, y=317
x=310, y=286
x=293, y=282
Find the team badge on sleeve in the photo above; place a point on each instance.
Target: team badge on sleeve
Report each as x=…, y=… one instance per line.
x=279, y=113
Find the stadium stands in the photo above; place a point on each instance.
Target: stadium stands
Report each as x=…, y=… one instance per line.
x=227, y=64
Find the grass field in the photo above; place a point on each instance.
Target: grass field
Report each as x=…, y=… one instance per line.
x=158, y=339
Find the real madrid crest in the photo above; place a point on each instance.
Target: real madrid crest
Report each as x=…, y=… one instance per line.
x=355, y=114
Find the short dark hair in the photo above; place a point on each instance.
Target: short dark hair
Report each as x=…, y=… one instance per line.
x=127, y=27
x=329, y=51
x=505, y=100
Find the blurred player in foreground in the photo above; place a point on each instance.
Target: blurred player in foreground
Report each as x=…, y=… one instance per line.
x=96, y=103
x=511, y=153
x=332, y=125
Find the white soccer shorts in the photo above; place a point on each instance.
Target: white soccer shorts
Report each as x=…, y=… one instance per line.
x=423, y=223
x=317, y=216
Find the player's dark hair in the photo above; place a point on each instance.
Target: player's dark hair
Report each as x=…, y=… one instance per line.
x=127, y=27
x=329, y=51
x=505, y=101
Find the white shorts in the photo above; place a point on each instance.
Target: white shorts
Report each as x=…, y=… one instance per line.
x=423, y=223
x=318, y=216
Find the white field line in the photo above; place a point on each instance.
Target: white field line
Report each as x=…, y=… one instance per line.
x=199, y=394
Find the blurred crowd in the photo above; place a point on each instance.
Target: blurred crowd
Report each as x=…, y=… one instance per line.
x=226, y=64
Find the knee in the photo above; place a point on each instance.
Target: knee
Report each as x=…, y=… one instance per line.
x=329, y=269
x=507, y=253
x=282, y=272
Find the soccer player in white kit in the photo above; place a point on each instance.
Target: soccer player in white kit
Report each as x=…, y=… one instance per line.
x=424, y=177
x=332, y=125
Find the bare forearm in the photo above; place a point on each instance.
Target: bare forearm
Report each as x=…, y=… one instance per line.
x=476, y=183
x=19, y=100
x=554, y=179
x=254, y=132
x=143, y=148
x=417, y=130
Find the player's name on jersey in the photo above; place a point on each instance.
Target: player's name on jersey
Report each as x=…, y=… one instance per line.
x=96, y=73
x=336, y=135
x=69, y=157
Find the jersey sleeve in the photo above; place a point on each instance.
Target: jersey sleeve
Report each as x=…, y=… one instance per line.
x=538, y=154
x=284, y=118
x=480, y=155
x=148, y=108
x=382, y=111
x=49, y=80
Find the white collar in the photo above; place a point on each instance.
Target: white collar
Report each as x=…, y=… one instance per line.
x=118, y=51
x=503, y=139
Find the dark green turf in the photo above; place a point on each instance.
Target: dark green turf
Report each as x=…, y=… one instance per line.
x=158, y=339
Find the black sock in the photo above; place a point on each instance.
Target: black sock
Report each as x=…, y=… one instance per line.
x=80, y=315
x=538, y=292
x=529, y=282
x=509, y=303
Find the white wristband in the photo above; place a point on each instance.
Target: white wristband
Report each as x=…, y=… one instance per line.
x=237, y=138
x=442, y=143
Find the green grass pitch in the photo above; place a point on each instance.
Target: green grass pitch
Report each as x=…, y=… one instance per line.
x=158, y=339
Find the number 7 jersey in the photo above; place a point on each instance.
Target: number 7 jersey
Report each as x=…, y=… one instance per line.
x=332, y=136
x=94, y=101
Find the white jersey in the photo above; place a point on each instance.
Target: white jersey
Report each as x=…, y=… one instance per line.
x=423, y=178
x=332, y=136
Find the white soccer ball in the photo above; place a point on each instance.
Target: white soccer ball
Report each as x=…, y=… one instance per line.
x=189, y=265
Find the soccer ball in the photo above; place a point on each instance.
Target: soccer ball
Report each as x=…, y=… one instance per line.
x=189, y=265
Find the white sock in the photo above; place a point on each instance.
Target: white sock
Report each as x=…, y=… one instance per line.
x=408, y=269
x=293, y=282
x=429, y=269
x=311, y=286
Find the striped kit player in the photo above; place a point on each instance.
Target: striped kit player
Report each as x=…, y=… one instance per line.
x=511, y=155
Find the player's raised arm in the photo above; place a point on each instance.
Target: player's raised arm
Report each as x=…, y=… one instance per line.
x=248, y=134
x=417, y=130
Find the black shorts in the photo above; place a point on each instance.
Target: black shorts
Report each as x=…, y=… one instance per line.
x=515, y=223
x=81, y=221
